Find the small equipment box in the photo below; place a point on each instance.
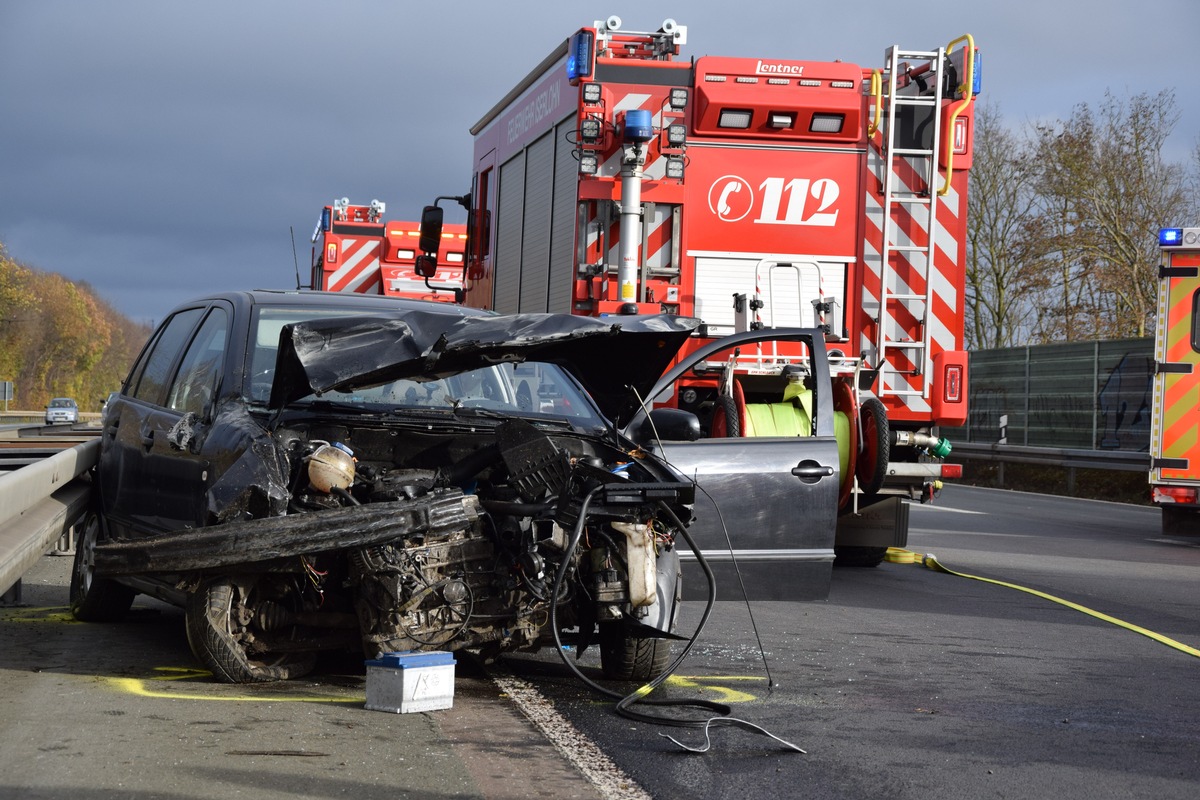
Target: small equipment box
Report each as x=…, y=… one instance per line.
x=413, y=681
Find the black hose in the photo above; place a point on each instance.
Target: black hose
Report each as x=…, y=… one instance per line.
x=473, y=464
x=624, y=701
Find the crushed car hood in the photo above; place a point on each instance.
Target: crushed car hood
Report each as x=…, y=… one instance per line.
x=605, y=355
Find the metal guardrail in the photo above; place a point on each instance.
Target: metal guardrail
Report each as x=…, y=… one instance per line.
x=1121, y=460
x=38, y=504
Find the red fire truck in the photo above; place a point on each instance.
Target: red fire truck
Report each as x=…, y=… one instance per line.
x=355, y=250
x=617, y=178
x=1175, y=423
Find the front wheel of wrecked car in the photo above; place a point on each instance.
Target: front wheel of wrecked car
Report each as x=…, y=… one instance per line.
x=95, y=599
x=230, y=626
x=626, y=657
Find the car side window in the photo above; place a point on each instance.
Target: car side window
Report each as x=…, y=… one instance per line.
x=153, y=374
x=199, y=374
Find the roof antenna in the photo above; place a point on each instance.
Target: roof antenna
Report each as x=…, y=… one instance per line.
x=296, y=258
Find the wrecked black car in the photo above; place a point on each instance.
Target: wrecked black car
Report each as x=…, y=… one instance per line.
x=303, y=471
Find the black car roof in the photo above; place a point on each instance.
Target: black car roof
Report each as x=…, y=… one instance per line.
x=294, y=297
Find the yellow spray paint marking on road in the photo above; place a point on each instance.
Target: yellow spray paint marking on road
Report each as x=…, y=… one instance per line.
x=711, y=683
x=145, y=687
x=42, y=614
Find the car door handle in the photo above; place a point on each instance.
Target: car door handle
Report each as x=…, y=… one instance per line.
x=811, y=471
x=148, y=439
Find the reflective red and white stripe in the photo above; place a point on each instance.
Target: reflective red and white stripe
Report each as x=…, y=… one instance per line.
x=358, y=268
x=909, y=226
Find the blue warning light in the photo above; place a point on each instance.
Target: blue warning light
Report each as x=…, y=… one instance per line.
x=1170, y=237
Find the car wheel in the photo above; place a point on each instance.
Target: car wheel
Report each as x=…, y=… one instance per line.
x=224, y=628
x=95, y=599
x=624, y=657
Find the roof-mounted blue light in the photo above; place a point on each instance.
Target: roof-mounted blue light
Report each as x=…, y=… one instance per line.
x=579, y=55
x=1170, y=237
x=639, y=125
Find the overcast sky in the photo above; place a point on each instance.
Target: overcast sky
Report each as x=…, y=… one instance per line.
x=160, y=150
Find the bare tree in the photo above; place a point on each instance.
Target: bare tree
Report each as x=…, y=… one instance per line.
x=1104, y=183
x=1002, y=212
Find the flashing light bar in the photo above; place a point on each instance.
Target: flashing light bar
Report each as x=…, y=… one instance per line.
x=809, y=82
x=734, y=118
x=778, y=82
x=1170, y=237
x=843, y=84
x=744, y=79
x=579, y=56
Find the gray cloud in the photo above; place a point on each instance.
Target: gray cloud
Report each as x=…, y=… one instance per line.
x=159, y=150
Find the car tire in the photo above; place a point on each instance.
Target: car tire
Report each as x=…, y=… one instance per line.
x=220, y=616
x=624, y=657
x=95, y=599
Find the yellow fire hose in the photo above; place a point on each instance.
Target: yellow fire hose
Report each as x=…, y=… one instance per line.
x=897, y=555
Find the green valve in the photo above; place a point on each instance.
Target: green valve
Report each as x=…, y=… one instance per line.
x=941, y=448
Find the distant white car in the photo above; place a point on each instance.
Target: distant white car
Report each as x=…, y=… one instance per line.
x=62, y=409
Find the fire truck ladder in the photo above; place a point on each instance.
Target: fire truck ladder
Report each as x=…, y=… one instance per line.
x=916, y=88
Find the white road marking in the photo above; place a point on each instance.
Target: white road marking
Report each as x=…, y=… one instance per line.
x=576, y=747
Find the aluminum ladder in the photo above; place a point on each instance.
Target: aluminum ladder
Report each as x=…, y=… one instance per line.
x=914, y=80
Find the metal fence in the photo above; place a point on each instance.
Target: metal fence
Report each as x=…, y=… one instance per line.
x=1080, y=395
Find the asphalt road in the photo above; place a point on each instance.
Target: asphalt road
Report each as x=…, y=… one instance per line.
x=910, y=683
x=906, y=683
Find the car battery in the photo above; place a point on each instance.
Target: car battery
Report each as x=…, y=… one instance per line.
x=410, y=681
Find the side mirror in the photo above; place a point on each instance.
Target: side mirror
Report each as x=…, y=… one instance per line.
x=670, y=425
x=425, y=266
x=431, y=230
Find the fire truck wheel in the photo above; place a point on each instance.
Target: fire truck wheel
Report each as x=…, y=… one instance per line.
x=625, y=657
x=847, y=556
x=872, y=462
x=225, y=621
x=95, y=599
x=1180, y=521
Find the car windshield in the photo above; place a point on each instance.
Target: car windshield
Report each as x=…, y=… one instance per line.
x=528, y=389
x=62, y=402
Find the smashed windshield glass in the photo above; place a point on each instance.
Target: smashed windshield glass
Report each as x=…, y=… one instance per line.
x=524, y=389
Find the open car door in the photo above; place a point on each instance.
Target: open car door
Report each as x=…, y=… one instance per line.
x=766, y=465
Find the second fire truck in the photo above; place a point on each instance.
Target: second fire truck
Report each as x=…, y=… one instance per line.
x=617, y=178
x=355, y=250
x=1175, y=423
